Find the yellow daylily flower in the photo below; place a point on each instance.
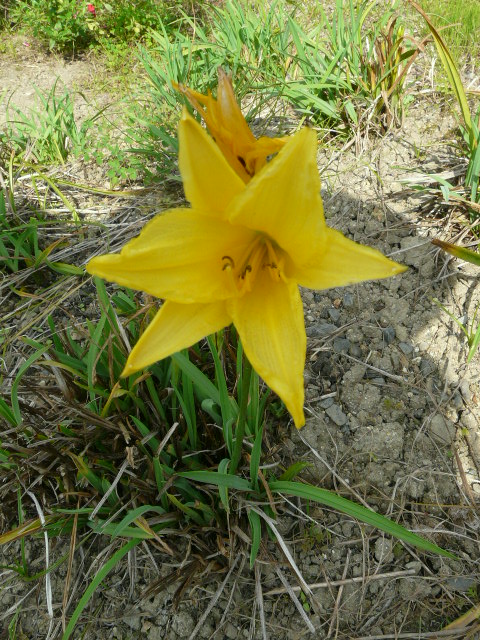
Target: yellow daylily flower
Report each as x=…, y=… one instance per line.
x=226, y=124
x=238, y=255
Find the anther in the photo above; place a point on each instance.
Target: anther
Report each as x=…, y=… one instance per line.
x=229, y=263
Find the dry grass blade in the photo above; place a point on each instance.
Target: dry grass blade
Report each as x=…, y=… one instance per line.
x=213, y=601
x=68, y=577
x=48, y=584
x=335, y=617
x=338, y=583
x=259, y=599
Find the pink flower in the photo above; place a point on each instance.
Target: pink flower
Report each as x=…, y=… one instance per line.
x=91, y=9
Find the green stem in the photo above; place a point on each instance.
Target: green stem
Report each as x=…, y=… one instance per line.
x=242, y=416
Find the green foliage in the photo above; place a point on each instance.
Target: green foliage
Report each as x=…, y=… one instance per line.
x=332, y=72
x=185, y=475
x=47, y=133
x=462, y=19
x=58, y=24
x=69, y=26
x=471, y=333
x=469, y=125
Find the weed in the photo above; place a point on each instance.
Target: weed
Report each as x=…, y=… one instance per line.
x=469, y=127
x=471, y=333
x=48, y=133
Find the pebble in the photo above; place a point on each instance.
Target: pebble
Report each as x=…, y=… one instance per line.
x=341, y=345
x=383, y=550
x=389, y=335
x=405, y=348
x=334, y=314
x=231, y=632
x=183, y=624
x=426, y=367
x=442, y=430
x=325, y=404
x=355, y=351
x=348, y=299
x=320, y=330
x=335, y=413
x=462, y=583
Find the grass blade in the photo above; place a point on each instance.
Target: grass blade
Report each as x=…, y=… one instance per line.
x=357, y=511
x=93, y=586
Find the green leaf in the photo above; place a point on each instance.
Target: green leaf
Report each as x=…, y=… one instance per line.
x=458, y=252
x=255, y=458
x=256, y=529
x=218, y=479
x=452, y=73
x=309, y=492
x=26, y=365
x=294, y=469
x=93, y=586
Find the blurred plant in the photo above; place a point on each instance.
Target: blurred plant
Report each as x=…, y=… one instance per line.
x=385, y=70
x=472, y=334
x=461, y=19
x=47, y=133
x=61, y=25
x=70, y=26
x=469, y=127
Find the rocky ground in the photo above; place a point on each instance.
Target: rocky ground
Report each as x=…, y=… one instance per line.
x=393, y=423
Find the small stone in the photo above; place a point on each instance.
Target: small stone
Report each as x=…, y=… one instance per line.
x=326, y=403
x=341, y=345
x=389, y=335
x=442, y=430
x=355, y=351
x=320, y=330
x=415, y=565
x=405, y=348
x=335, y=413
x=183, y=624
x=379, y=381
x=134, y=622
x=348, y=299
x=231, y=632
x=334, y=314
x=414, y=589
x=462, y=583
x=426, y=367
x=383, y=550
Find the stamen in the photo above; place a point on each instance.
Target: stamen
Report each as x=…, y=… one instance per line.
x=229, y=263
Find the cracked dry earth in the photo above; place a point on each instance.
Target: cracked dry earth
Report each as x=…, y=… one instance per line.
x=393, y=423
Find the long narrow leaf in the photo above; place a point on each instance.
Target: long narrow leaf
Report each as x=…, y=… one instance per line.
x=308, y=492
x=218, y=479
x=93, y=586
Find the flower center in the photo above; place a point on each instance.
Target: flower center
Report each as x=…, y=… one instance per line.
x=260, y=256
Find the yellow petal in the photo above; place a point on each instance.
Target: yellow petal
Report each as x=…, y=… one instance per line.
x=344, y=262
x=175, y=327
x=269, y=320
x=229, y=129
x=229, y=113
x=209, y=181
x=179, y=255
x=284, y=201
